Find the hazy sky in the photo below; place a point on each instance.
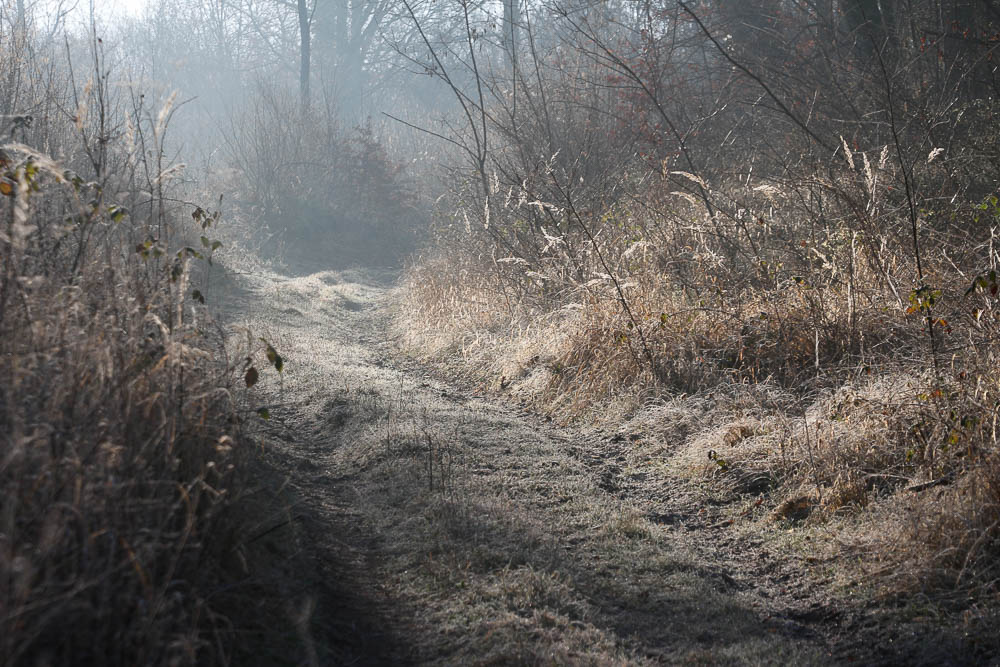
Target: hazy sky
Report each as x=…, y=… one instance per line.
x=106, y=8
x=122, y=6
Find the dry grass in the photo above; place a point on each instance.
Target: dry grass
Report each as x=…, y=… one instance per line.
x=829, y=394
x=122, y=454
x=124, y=520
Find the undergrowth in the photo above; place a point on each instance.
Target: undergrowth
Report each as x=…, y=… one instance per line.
x=869, y=413
x=846, y=269
x=124, y=463
x=329, y=193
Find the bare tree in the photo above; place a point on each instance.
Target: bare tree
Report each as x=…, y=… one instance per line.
x=305, y=54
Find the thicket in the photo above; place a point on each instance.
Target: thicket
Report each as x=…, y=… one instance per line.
x=659, y=199
x=328, y=192
x=123, y=462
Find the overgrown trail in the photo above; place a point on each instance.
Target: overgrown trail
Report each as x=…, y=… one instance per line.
x=447, y=528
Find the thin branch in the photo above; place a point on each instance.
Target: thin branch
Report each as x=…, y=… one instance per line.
x=430, y=132
x=743, y=68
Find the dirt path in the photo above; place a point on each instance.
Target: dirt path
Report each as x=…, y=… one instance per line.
x=445, y=528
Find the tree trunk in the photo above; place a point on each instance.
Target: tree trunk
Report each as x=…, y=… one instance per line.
x=304, y=54
x=873, y=21
x=511, y=23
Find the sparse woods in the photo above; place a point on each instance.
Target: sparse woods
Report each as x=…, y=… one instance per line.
x=133, y=505
x=659, y=199
x=760, y=238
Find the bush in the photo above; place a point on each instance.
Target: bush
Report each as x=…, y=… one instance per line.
x=123, y=461
x=332, y=194
x=817, y=236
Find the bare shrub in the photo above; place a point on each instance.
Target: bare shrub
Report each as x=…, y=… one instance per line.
x=328, y=191
x=817, y=217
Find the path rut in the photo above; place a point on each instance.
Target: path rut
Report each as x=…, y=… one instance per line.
x=444, y=527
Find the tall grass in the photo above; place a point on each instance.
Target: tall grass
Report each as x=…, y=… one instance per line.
x=834, y=276
x=122, y=461
x=863, y=413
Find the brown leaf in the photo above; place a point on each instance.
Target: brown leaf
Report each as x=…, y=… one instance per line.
x=251, y=377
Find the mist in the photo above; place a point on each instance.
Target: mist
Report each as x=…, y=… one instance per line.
x=499, y=332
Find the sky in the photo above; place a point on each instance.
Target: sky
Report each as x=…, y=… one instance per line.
x=128, y=7
x=105, y=8
x=76, y=13
x=133, y=7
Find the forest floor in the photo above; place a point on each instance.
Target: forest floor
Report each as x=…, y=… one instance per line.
x=432, y=524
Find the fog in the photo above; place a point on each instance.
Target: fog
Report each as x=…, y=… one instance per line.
x=749, y=247
x=311, y=107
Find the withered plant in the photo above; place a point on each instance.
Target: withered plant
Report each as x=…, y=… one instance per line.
x=672, y=199
x=123, y=460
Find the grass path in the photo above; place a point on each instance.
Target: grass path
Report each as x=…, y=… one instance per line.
x=442, y=527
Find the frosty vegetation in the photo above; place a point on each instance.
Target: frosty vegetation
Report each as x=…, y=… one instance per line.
x=599, y=208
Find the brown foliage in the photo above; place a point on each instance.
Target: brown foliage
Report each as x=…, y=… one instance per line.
x=827, y=235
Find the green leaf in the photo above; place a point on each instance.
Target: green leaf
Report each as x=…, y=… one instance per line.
x=251, y=377
x=205, y=242
x=117, y=213
x=198, y=296
x=274, y=357
x=216, y=245
x=264, y=413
